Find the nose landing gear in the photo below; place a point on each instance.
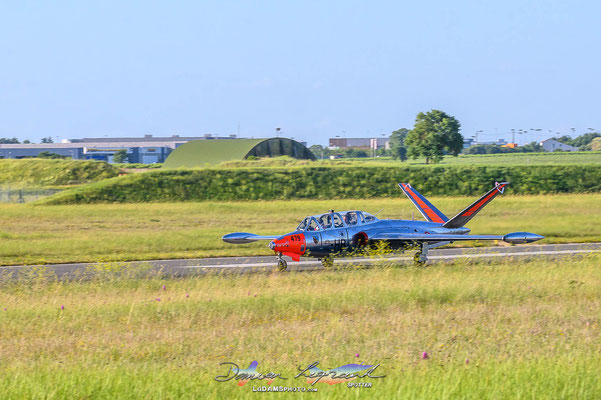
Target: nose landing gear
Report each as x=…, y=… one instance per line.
x=282, y=264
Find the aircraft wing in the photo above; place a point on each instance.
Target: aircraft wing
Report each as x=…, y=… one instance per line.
x=515, y=237
x=433, y=237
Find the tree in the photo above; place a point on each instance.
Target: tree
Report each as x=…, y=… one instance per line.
x=585, y=139
x=47, y=140
x=26, y=141
x=9, y=141
x=48, y=154
x=355, y=153
x=532, y=147
x=120, y=156
x=318, y=151
x=486, y=149
x=596, y=144
x=397, y=144
x=583, y=142
x=434, y=134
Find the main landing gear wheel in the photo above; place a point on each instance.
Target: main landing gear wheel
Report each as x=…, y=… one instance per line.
x=327, y=262
x=418, y=260
x=282, y=264
x=421, y=256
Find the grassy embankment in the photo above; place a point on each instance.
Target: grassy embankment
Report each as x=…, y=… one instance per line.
x=43, y=173
x=329, y=182
x=109, y=232
x=499, y=331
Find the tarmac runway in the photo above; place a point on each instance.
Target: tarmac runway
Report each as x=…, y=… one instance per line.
x=199, y=266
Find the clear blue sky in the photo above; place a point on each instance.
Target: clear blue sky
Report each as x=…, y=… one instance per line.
x=316, y=69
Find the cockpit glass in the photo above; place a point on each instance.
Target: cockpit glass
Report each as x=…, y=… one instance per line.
x=325, y=221
x=313, y=225
x=350, y=218
x=338, y=221
x=369, y=217
x=303, y=225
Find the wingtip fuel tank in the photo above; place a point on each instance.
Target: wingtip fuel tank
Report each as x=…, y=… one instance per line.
x=521, y=237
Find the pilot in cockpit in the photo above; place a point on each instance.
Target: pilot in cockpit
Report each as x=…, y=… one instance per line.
x=325, y=221
x=350, y=218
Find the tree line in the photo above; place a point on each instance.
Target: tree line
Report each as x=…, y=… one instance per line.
x=14, y=140
x=434, y=135
x=437, y=134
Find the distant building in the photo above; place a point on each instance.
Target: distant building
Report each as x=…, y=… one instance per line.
x=32, y=150
x=146, y=154
x=510, y=145
x=359, y=143
x=553, y=145
x=172, y=141
x=469, y=142
x=145, y=150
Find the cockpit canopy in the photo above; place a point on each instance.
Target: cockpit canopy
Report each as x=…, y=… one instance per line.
x=335, y=220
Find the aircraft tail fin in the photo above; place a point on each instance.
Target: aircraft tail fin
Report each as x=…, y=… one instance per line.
x=431, y=213
x=470, y=211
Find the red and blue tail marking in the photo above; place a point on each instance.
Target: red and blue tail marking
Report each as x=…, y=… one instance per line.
x=431, y=213
x=470, y=212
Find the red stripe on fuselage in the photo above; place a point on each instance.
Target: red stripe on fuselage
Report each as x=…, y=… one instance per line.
x=429, y=212
x=479, y=204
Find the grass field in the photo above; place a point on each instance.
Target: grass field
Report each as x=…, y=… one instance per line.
x=507, y=330
x=115, y=232
x=558, y=158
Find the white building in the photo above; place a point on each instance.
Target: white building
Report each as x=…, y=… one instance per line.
x=553, y=145
x=360, y=143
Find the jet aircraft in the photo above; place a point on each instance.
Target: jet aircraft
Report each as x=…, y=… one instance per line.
x=341, y=233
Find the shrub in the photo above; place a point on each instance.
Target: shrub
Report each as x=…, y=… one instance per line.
x=330, y=183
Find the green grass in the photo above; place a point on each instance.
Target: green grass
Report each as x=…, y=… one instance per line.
x=137, y=166
x=112, y=232
x=27, y=173
x=504, y=330
x=558, y=158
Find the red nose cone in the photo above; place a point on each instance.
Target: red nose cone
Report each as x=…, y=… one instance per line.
x=292, y=245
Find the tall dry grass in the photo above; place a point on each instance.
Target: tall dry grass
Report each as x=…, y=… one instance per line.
x=491, y=330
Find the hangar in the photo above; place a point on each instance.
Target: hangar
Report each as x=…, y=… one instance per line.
x=199, y=153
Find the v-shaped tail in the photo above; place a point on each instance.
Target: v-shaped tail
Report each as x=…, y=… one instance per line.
x=430, y=213
x=470, y=212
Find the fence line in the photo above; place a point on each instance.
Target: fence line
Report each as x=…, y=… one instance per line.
x=24, y=195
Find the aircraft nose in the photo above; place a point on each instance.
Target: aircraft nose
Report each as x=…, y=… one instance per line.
x=272, y=245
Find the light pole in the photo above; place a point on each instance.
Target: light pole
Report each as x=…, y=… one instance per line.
x=521, y=132
x=277, y=132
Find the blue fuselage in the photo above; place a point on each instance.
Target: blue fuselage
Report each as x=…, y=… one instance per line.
x=322, y=242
